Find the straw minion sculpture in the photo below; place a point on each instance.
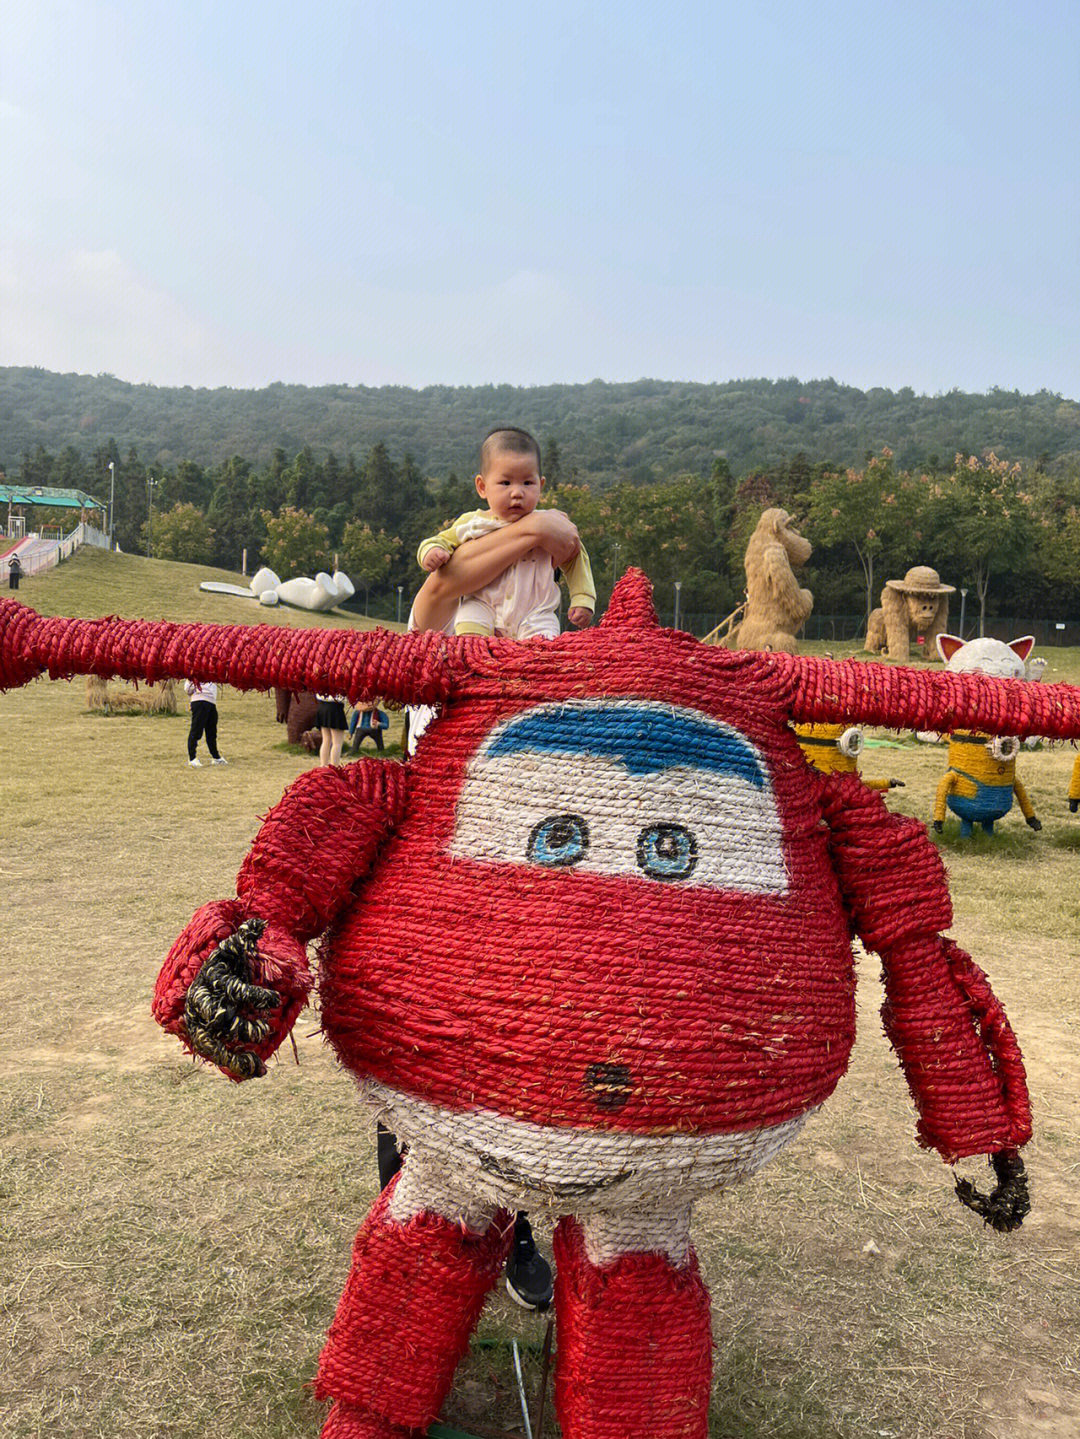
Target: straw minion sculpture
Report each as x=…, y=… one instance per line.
x=981, y=780
x=835, y=749
x=640, y=983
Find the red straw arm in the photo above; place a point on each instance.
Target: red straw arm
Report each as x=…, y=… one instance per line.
x=959, y=1056
x=899, y=697
x=358, y=664
x=320, y=837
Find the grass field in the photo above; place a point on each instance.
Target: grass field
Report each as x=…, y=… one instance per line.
x=174, y=1246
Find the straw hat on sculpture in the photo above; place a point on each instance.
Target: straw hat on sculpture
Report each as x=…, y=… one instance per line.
x=914, y=608
x=588, y=953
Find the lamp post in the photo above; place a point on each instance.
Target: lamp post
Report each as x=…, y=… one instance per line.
x=150, y=483
x=112, y=500
x=399, y=590
x=678, y=589
x=615, y=565
x=963, y=607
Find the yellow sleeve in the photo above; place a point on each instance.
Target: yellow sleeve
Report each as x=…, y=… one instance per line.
x=944, y=789
x=1074, y=782
x=445, y=540
x=1027, y=809
x=579, y=580
x=877, y=784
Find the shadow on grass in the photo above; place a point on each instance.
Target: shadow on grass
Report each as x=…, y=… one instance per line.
x=391, y=751
x=1010, y=843
x=751, y=1399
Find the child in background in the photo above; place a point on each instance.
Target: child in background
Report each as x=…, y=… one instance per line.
x=203, y=721
x=368, y=723
x=523, y=602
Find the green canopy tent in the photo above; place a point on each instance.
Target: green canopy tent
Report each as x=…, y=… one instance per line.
x=46, y=497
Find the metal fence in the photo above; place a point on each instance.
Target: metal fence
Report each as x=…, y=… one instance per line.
x=847, y=629
x=37, y=554
x=851, y=629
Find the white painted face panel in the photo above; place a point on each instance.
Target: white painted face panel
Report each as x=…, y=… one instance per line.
x=645, y=791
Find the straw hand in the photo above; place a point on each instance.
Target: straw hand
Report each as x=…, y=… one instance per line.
x=219, y=1003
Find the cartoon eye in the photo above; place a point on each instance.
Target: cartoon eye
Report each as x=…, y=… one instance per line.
x=1004, y=747
x=667, y=851
x=559, y=841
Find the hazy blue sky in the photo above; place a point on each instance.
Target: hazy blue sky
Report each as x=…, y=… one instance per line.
x=216, y=193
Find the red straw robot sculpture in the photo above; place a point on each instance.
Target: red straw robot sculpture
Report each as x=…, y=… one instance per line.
x=588, y=953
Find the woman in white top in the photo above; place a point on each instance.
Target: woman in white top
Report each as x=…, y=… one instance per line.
x=203, y=721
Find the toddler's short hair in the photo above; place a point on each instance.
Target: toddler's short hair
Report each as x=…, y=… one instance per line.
x=507, y=438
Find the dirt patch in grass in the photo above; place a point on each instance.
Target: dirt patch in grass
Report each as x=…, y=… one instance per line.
x=174, y=1245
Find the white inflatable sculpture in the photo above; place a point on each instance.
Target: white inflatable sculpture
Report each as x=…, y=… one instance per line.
x=321, y=593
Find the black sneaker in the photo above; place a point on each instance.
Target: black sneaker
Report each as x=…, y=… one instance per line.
x=528, y=1274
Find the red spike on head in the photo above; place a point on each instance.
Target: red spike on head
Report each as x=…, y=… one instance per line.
x=631, y=605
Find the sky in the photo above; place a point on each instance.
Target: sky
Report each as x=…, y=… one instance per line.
x=346, y=193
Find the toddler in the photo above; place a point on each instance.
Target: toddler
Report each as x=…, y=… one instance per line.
x=523, y=602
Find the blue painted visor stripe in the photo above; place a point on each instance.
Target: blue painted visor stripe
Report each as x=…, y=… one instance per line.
x=646, y=741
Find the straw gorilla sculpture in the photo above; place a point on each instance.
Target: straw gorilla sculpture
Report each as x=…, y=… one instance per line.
x=917, y=605
x=589, y=952
x=776, y=606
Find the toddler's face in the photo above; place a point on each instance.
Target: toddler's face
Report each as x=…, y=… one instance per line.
x=511, y=485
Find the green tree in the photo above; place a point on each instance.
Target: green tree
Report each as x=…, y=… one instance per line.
x=667, y=529
x=131, y=501
x=230, y=512
x=303, y=481
x=453, y=497
x=867, y=509
x=378, y=498
x=983, y=522
x=296, y=543
x=552, y=462
x=366, y=555
x=182, y=533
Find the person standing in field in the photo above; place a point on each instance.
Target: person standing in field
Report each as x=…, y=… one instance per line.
x=204, y=717
x=330, y=718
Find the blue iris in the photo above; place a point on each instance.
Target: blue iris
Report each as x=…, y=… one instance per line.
x=667, y=851
x=559, y=841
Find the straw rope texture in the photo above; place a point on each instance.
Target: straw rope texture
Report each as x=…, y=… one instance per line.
x=589, y=951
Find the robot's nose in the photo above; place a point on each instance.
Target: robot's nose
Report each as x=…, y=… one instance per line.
x=610, y=1085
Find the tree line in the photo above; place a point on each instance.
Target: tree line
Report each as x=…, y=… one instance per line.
x=636, y=433
x=1008, y=531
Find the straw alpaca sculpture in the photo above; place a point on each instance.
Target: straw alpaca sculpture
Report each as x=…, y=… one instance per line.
x=588, y=952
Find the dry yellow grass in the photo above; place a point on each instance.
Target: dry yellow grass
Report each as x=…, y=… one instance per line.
x=174, y=1245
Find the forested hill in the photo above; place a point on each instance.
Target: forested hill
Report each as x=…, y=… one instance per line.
x=637, y=432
